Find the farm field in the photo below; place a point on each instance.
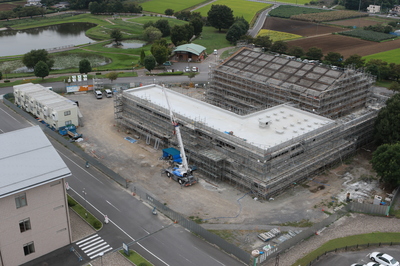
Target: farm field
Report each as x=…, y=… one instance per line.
x=159, y=6
x=278, y=35
x=244, y=8
x=298, y=27
x=6, y=6
x=344, y=45
x=360, y=22
x=392, y=56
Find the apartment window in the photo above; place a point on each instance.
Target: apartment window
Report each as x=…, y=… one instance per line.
x=29, y=248
x=67, y=113
x=69, y=122
x=25, y=225
x=20, y=200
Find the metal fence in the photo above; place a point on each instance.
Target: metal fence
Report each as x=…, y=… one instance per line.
x=369, y=208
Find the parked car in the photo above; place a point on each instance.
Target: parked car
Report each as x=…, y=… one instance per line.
x=371, y=264
x=215, y=51
x=167, y=63
x=194, y=69
x=187, y=69
x=383, y=259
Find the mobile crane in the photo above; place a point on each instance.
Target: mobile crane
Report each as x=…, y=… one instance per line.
x=179, y=169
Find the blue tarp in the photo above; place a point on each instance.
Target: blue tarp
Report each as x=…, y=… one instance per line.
x=131, y=140
x=173, y=153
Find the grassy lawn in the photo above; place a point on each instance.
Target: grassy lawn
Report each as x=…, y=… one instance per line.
x=244, y=8
x=88, y=217
x=159, y=6
x=392, y=56
x=212, y=39
x=171, y=21
x=375, y=237
x=135, y=258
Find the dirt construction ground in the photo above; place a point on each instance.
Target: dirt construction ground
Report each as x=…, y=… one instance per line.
x=217, y=202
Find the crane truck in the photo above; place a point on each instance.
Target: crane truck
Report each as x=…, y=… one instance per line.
x=179, y=170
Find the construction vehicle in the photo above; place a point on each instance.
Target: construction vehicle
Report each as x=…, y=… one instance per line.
x=179, y=169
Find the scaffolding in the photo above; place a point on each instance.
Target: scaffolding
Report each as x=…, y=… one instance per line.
x=266, y=171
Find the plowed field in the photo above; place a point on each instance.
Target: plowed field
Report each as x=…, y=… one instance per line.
x=346, y=46
x=298, y=27
x=320, y=36
x=11, y=6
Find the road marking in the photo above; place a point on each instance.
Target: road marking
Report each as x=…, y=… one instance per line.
x=10, y=115
x=93, y=246
x=113, y=205
x=83, y=169
x=139, y=244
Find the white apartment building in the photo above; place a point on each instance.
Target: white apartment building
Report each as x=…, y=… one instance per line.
x=34, y=216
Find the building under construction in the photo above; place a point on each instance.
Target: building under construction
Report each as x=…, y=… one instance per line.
x=269, y=121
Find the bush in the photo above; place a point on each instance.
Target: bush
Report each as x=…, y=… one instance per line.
x=98, y=73
x=97, y=224
x=170, y=73
x=6, y=81
x=71, y=202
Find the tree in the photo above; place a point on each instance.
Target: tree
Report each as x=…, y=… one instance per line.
x=160, y=53
x=151, y=34
x=1, y=75
x=379, y=68
x=84, y=66
x=314, y=53
x=116, y=35
x=263, y=41
x=386, y=162
x=31, y=58
x=197, y=25
x=191, y=75
x=394, y=71
x=220, y=17
x=394, y=86
x=149, y=62
x=169, y=12
x=279, y=47
x=148, y=24
x=296, y=51
x=142, y=56
x=354, y=60
x=234, y=33
x=181, y=34
x=387, y=124
x=112, y=76
x=41, y=70
x=333, y=58
x=132, y=7
x=163, y=26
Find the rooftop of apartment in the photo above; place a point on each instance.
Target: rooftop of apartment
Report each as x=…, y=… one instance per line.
x=28, y=160
x=264, y=129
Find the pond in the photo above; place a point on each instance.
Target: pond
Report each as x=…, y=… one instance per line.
x=18, y=42
x=126, y=44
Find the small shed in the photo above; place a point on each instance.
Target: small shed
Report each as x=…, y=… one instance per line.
x=190, y=52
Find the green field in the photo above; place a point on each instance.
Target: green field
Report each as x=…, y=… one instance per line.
x=159, y=6
x=244, y=8
x=392, y=56
x=171, y=21
x=278, y=35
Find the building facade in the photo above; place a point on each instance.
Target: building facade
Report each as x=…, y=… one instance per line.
x=50, y=107
x=33, y=203
x=269, y=122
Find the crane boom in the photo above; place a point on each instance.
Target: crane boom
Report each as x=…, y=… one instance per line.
x=178, y=133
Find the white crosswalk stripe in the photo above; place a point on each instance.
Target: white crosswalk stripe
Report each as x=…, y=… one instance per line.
x=93, y=246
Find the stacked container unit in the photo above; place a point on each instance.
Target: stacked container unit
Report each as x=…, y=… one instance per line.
x=50, y=107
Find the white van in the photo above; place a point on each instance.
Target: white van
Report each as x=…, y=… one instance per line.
x=108, y=93
x=98, y=94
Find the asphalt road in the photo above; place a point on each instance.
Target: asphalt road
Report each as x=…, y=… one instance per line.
x=160, y=240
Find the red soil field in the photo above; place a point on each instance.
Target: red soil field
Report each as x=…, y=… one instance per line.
x=8, y=6
x=298, y=27
x=344, y=45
